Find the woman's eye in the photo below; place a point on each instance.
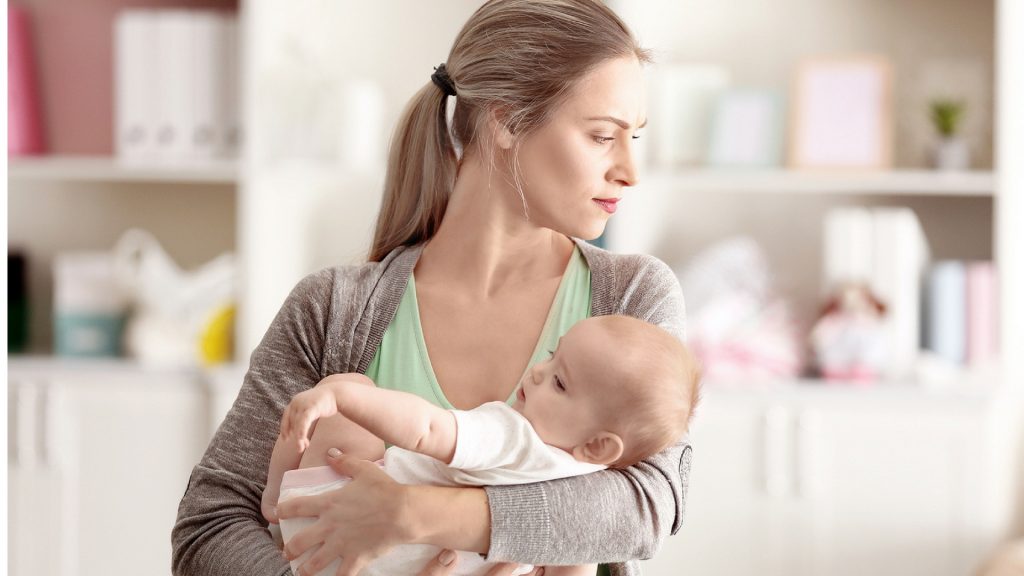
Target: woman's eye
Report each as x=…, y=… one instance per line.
x=559, y=385
x=603, y=139
x=636, y=136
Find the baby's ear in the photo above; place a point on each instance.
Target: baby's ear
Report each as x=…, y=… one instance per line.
x=603, y=448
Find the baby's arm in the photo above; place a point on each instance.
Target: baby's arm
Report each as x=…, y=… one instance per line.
x=398, y=418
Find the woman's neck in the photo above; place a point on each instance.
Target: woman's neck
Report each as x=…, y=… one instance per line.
x=485, y=244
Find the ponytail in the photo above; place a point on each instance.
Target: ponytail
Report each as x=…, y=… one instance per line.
x=420, y=175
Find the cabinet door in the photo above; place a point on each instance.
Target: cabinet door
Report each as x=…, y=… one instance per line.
x=738, y=510
x=137, y=439
x=112, y=452
x=885, y=491
x=38, y=542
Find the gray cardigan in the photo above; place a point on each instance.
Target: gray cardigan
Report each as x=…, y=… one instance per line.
x=333, y=322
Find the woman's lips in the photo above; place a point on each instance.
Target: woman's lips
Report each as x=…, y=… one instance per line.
x=609, y=205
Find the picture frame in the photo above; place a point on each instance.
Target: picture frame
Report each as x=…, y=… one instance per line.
x=842, y=114
x=682, y=104
x=747, y=130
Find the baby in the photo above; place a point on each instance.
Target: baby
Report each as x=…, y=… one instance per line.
x=615, y=391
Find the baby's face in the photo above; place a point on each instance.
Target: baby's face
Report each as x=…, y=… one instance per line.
x=561, y=397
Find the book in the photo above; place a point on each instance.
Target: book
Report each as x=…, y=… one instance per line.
x=982, y=313
x=946, y=304
x=25, y=134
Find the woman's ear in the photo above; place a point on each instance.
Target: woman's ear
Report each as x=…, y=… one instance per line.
x=503, y=137
x=603, y=448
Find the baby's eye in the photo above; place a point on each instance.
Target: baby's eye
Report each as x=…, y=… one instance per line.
x=551, y=353
x=559, y=385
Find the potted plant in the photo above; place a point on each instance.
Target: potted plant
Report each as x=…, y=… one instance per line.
x=951, y=152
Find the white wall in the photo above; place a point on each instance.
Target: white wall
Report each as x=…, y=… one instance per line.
x=302, y=207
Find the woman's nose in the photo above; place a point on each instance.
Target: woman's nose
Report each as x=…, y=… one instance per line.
x=625, y=171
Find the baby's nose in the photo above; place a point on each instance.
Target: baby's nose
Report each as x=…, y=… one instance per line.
x=535, y=376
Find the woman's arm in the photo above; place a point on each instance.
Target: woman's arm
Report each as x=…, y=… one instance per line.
x=614, y=515
x=220, y=530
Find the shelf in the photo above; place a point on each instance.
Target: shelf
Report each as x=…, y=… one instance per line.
x=34, y=364
x=110, y=169
x=969, y=385
x=976, y=183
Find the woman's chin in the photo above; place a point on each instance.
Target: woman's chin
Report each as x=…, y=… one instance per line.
x=592, y=232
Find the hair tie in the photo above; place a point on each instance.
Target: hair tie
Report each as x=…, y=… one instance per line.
x=443, y=81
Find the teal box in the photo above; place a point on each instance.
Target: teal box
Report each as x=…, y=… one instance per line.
x=88, y=334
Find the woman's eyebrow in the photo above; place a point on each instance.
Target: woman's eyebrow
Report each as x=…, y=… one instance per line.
x=621, y=123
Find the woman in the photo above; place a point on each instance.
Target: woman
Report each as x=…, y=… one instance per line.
x=473, y=274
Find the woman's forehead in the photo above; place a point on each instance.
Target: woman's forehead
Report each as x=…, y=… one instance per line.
x=614, y=89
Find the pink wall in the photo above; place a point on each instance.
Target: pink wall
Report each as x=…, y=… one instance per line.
x=74, y=50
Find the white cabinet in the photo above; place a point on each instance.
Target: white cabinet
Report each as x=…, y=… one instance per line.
x=814, y=480
x=99, y=457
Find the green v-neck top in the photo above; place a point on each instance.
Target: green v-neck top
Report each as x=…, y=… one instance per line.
x=402, y=362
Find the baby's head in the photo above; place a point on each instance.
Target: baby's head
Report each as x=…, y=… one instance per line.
x=615, y=391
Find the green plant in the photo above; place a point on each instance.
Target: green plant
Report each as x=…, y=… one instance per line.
x=946, y=115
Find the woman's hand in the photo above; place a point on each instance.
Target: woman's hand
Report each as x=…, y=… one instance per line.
x=358, y=522
x=444, y=565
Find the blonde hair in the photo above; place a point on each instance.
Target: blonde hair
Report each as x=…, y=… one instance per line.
x=651, y=405
x=518, y=58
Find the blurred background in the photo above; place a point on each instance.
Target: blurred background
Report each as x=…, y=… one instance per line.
x=833, y=182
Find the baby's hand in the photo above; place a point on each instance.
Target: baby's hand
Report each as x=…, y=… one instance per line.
x=305, y=409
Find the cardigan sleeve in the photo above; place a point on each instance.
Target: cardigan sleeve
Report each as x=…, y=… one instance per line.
x=220, y=530
x=613, y=515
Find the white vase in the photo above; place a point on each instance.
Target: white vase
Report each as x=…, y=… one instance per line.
x=952, y=154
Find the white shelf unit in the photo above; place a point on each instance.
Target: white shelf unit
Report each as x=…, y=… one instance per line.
x=111, y=169
x=977, y=183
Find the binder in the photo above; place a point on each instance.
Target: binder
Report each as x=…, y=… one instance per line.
x=900, y=257
x=208, y=53
x=849, y=247
x=175, y=111
x=231, y=102
x=136, y=85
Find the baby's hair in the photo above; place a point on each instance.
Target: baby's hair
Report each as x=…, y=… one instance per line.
x=654, y=404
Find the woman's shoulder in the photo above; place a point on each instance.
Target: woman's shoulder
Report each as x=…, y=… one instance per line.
x=361, y=278
x=627, y=268
x=637, y=285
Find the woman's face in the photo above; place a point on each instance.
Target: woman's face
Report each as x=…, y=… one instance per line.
x=574, y=169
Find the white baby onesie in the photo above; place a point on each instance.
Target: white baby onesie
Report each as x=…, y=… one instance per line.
x=495, y=445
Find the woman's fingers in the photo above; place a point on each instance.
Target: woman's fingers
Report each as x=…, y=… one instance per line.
x=352, y=566
x=304, y=540
x=352, y=466
x=301, y=507
x=442, y=565
x=504, y=569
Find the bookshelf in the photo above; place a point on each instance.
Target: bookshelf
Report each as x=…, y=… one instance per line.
x=71, y=168
x=910, y=182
